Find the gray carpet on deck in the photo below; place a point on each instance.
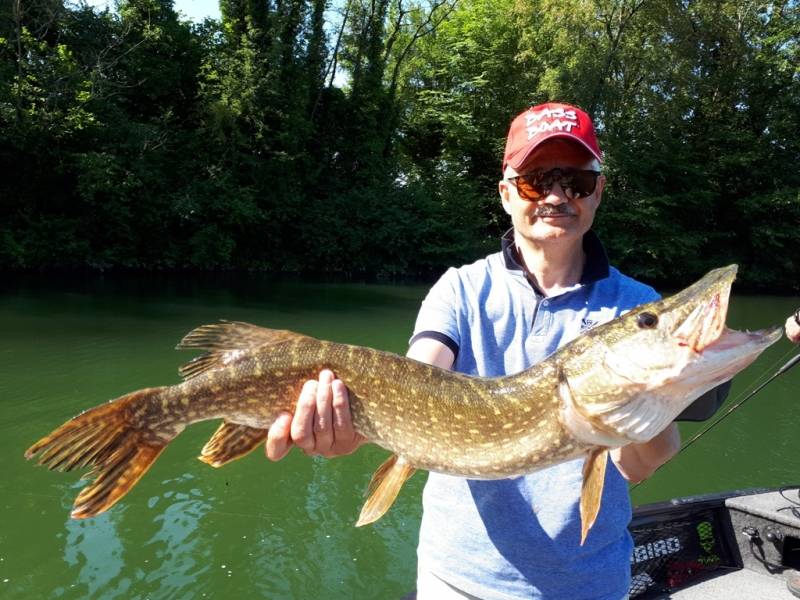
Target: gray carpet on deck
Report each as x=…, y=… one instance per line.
x=735, y=585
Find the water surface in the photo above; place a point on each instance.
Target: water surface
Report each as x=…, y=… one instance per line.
x=254, y=528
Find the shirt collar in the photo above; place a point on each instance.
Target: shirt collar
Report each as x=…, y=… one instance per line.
x=595, y=269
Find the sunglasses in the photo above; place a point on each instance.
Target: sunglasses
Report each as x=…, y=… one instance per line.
x=576, y=183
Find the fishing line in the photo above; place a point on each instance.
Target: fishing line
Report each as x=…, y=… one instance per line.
x=788, y=365
x=765, y=371
x=792, y=362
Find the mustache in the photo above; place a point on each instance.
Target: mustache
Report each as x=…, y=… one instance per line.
x=552, y=210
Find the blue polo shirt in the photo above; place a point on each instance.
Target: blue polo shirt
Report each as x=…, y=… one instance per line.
x=519, y=538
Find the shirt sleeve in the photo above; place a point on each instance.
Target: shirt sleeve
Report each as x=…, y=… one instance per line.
x=438, y=316
x=648, y=295
x=706, y=405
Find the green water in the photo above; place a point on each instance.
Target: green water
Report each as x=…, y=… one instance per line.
x=253, y=528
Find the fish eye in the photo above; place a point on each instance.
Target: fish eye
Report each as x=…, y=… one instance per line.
x=647, y=320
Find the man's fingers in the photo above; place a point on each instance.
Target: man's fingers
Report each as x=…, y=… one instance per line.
x=342, y=419
x=303, y=423
x=323, y=428
x=279, y=441
x=321, y=424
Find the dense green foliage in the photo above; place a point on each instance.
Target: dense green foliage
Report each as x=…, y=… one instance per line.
x=364, y=138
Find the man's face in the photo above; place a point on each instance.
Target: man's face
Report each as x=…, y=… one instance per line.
x=575, y=216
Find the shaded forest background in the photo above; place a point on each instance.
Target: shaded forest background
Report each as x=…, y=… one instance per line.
x=362, y=138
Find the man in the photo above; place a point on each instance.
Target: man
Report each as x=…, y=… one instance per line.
x=792, y=329
x=515, y=538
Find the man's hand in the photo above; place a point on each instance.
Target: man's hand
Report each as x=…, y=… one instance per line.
x=637, y=462
x=793, y=327
x=321, y=423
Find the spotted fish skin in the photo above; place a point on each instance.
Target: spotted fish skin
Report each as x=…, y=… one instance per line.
x=436, y=419
x=622, y=382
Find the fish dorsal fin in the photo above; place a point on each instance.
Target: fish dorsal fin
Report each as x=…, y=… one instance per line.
x=383, y=489
x=594, y=476
x=226, y=342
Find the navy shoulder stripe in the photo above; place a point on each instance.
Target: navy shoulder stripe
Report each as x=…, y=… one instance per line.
x=439, y=337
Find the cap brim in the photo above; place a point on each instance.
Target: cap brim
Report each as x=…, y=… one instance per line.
x=517, y=161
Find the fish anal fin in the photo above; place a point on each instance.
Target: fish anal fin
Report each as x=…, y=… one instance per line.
x=594, y=476
x=227, y=342
x=231, y=441
x=383, y=489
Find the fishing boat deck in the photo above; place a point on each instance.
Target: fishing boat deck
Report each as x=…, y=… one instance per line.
x=738, y=545
x=753, y=537
x=741, y=583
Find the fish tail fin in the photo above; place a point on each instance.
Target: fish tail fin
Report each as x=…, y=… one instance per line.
x=109, y=439
x=383, y=489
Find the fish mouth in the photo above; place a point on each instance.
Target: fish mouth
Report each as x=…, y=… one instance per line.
x=734, y=350
x=694, y=321
x=702, y=309
x=731, y=338
x=714, y=352
x=701, y=329
x=720, y=361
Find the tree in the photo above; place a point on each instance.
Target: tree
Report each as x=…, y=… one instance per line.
x=131, y=139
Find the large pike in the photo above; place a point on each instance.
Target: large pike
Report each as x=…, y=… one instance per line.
x=622, y=382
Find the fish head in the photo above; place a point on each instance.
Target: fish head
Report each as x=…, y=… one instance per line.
x=632, y=376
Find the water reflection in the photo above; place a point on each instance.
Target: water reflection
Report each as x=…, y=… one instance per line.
x=180, y=553
x=111, y=557
x=95, y=548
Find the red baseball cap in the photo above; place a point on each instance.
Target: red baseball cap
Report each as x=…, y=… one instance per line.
x=545, y=122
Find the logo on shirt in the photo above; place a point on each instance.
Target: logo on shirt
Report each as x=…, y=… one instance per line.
x=587, y=324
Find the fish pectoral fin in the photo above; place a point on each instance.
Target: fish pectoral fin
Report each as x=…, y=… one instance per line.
x=226, y=342
x=383, y=489
x=231, y=441
x=594, y=476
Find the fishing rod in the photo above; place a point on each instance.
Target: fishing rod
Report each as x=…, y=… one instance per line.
x=789, y=364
